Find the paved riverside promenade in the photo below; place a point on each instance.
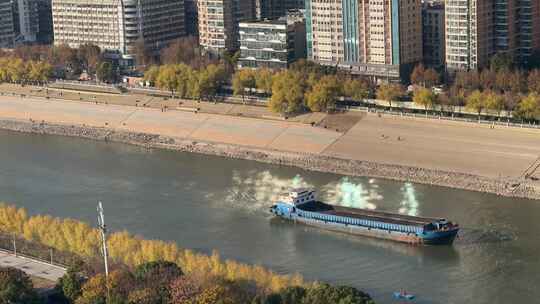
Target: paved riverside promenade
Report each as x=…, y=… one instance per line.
x=425, y=143
x=32, y=267
x=444, y=145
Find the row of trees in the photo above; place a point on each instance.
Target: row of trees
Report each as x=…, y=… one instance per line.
x=79, y=238
x=86, y=57
x=502, y=75
x=424, y=77
x=185, y=50
x=186, y=82
x=163, y=282
x=303, y=86
x=527, y=108
x=146, y=271
x=491, y=91
x=504, y=81
x=67, y=62
x=293, y=91
x=499, y=87
x=16, y=70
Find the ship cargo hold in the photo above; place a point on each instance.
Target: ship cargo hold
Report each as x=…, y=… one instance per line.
x=301, y=206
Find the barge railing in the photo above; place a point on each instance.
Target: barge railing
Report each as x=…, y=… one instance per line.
x=360, y=222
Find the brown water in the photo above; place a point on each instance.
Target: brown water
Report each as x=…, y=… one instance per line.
x=207, y=203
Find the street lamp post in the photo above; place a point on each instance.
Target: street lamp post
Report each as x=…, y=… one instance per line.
x=102, y=227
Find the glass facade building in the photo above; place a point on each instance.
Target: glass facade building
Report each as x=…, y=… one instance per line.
x=273, y=43
x=433, y=34
x=350, y=30
x=7, y=29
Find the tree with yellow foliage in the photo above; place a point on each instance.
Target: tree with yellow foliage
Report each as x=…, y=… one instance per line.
x=39, y=71
x=79, y=238
x=287, y=92
x=242, y=80
x=324, y=94
x=263, y=80
x=390, y=92
x=12, y=219
x=424, y=97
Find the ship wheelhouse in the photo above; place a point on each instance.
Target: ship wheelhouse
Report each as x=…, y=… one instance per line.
x=299, y=196
x=440, y=225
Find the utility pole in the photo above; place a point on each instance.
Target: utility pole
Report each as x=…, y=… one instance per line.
x=103, y=229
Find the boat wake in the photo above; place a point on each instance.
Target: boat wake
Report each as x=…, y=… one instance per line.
x=469, y=236
x=257, y=191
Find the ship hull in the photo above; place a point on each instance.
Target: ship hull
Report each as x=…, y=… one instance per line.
x=428, y=238
x=361, y=231
x=440, y=237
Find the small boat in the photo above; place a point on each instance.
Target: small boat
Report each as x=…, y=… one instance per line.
x=402, y=295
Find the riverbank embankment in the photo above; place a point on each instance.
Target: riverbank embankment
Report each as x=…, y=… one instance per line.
x=307, y=161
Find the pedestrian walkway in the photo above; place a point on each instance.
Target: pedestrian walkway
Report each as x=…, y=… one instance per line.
x=32, y=267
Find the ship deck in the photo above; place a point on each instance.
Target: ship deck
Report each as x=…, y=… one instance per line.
x=367, y=214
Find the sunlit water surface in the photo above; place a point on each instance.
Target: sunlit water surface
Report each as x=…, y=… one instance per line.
x=206, y=203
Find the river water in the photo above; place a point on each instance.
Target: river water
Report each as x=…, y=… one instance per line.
x=206, y=203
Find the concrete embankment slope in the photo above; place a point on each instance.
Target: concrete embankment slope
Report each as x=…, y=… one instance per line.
x=449, y=154
x=251, y=132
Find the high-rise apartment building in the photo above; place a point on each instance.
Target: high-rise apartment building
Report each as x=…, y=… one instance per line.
x=374, y=38
x=269, y=9
x=28, y=15
x=218, y=23
x=517, y=27
x=45, y=22
x=478, y=29
x=294, y=4
x=324, y=26
x=273, y=9
x=7, y=29
x=25, y=21
x=469, y=33
x=192, y=18
x=528, y=28
x=433, y=33
x=117, y=25
x=505, y=25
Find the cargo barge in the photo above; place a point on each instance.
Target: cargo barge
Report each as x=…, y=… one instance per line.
x=301, y=206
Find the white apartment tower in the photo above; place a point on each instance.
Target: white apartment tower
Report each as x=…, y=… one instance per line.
x=469, y=33
x=478, y=29
x=218, y=23
x=116, y=25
